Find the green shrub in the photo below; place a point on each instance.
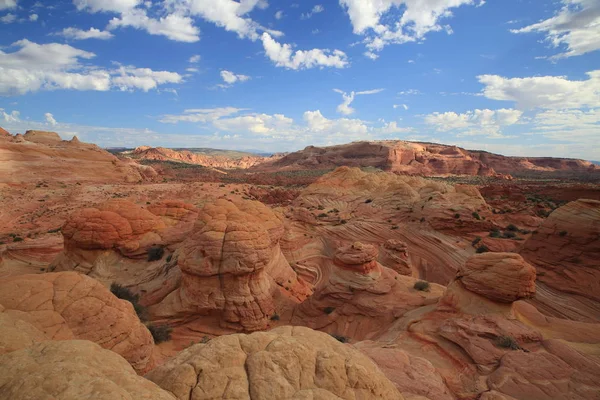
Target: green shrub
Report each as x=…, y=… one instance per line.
x=512, y=228
x=160, y=333
x=422, y=286
x=482, y=249
x=476, y=240
x=562, y=233
x=322, y=215
x=509, y=235
x=155, y=253
x=320, y=207
x=124, y=293
x=476, y=216
x=457, y=215
x=17, y=239
x=169, y=257
x=507, y=342
x=329, y=310
x=275, y=317
x=495, y=233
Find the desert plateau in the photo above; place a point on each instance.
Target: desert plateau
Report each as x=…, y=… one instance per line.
x=372, y=270
x=300, y=200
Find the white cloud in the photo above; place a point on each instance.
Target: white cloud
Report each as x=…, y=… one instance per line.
x=401, y=105
x=577, y=126
x=262, y=124
x=371, y=55
x=50, y=119
x=485, y=122
x=194, y=59
x=345, y=108
x=283, y=56
x=230, y=78
x=409, y=92
x=192, y=70
x=8, y=18
x=279, y=14
x=79, y=34
x=576, y=26
x=392, y=128
x=173, y=26
x=33, y=17
x=201, y=115
x=6, y=4
x=130, y=78
x=315, y=10
x=106, y=5
x=557, y=92
x=53, y=66
x=418, y=17
x=10, y=118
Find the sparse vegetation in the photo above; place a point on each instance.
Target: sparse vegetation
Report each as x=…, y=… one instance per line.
x=507, y=342
x=476, y=241
x=422, y=286
x=482, y=249
x=329, y=310
x=160, y=333
x=476, y=216
x=457, y=215
x=340, y=338
x=275, y=317
x=124, y=293
x=155, y=253
x=509, y=235
x=169, y=257
x=368, y=201
x=343, y=221
x=562, y=233
x=322, y=215
x=17, y=239
x=495, y=233
x=512, y=228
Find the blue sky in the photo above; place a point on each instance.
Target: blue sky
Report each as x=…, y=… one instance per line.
x=513, y=77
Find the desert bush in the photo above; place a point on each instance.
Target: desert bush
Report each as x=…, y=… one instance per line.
x=329, y=310
x=160, y=333
x=476, y=216
x=17, y=239
x=343, y=221
x=562, y=233
x=275, y=317
x=320, y=207
x=422, y=286
x=169, y=257
x=482, y=249
x=340, y=338
x=507, y=342
x=509, y=235
x=512, y=228
x=457, y=215
x=368, y=201
x=322, y=215
x=495, y=233
x=476, y=240
x=155, y=253
x=124, y=293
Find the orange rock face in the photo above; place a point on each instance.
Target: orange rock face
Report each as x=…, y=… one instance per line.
x=69, y=305
x=566, y=249
x=503, y=277
x=4, y=132
x=357, y=257
x=231, y=264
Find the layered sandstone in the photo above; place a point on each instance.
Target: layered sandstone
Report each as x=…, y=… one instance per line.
x=285, y=363
x=72, y=369
x=232, y=266
x=69, y=305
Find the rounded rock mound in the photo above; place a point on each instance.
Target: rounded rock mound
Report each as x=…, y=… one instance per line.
x=285, y=363
x=68, y=305
x=70, y=370
x=502, y=277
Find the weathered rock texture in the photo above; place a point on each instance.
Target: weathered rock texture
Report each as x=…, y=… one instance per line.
x=16, y=334
x=285, y=363
x=503, y=277
x=69, y=305
x=232, y=266
x=72, y=370
x=38, y=156
x=422, y=159
x=566, y=249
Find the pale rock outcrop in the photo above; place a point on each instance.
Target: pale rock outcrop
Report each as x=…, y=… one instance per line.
x=502, y=277
x=69, y=305
x=394, y=254
x=16, y=334
x=72, y=370
x=285, y=363
x=42, y=137
x=232, y=265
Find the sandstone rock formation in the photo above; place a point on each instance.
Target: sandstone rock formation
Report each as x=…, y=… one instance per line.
x=39, y=155
x=421, y=159
x=285, y=363
x=72, y=369
x=232, y=265
x=502, y=277
x=566, y=249
x=4, y=132
x=69, y=305
x=394, y=254
x=16, y=334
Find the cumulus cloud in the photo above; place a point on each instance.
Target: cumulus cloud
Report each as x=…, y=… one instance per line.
x=95, y=6
x=401, y=106
x=194, y=59
x=279, y=14
x=262, y=124
x=6, y=4
x=230, y=78
x=10, y=118
x=50, y=119
x=417, y=18
x=54, y=66
x=79, y=34
x=8, y=18
x=345, y=108
x=173, y=26
x=484, y=122
x=577, y=126
x=200, y=115
x=283, y=56
x=557, y=92
x=575, y=27
x=33, y=17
